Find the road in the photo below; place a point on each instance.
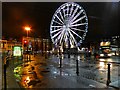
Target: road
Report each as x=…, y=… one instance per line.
x=41, y=72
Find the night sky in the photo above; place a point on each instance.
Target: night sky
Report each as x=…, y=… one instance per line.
x=102, y=16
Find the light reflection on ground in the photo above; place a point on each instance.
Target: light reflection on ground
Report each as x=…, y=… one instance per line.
x=44, y=69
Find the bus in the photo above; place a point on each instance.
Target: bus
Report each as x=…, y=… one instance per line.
x=105, y=49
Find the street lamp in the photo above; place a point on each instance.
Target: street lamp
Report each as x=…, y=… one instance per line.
x=27, y=28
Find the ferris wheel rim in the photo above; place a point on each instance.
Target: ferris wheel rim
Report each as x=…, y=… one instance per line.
x=58, y=11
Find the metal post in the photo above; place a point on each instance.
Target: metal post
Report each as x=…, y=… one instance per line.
x=5, y=82
x=108, y=75
x=60, y=61
x=42, y=47
x=46, y=49
x=27, y=33
x=45, y=46
x=77, y=68
x=59, y=50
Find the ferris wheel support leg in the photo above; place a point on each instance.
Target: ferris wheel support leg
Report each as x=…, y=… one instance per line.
x=69, y=46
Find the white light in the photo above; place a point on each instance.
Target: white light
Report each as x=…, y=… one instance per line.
x=101, y=54
x=113, y=53
x=79, y=58
x=109, y=54
x=102, y=59
x=66, y=74
x=101, y=64
x=117, y=53
x=72, y=46
x=54, y=72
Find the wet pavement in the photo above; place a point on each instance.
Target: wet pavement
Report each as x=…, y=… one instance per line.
x=41, y=72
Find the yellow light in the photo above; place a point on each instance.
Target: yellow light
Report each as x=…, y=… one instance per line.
x=101, y=44
x=27, y=28
x=27, y=80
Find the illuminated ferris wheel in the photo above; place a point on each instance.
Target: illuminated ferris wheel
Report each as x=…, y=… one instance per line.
x=69, y=24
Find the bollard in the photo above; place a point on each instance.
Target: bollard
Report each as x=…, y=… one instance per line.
x=69, y=53
x=60, y=61
x=77, y=68
x=108, y=75
x=5, y=82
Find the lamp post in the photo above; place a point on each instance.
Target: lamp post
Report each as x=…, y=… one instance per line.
x=27, y=28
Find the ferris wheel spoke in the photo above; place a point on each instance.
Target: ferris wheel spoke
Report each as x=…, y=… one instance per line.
x=56, y=30
x=75, y=33
x=64, y=13
x=71, y=10
x=61, y=16
x=79, y=24
x=78, y=14
x=78, y=29
x=78, y=19
x=61, y=36
x=58, y=38
x=57, y=22
x=57, y=26
x=65, y=36
x=72, y=37
x=67, y=8
x=74, y=12
x=55, y=41
x=56, y=34
x=59, y=19
x=71, y=42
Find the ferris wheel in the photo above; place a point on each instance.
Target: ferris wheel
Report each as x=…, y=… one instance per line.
x=69, y=24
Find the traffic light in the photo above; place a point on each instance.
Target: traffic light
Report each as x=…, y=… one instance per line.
x=25, y=43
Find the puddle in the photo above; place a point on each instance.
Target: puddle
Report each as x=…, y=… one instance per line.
x=92, y=86
x=33, y=82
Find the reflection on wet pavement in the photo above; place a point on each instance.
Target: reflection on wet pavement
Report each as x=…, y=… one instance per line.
x=40, y=72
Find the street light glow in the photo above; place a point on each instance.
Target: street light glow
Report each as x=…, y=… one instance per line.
x=27, y=28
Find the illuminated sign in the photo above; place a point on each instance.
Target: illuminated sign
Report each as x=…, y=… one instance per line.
x=105, y=44
x=17, y=51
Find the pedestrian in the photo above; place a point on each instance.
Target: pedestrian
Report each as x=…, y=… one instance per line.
x=115, y=53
